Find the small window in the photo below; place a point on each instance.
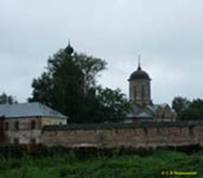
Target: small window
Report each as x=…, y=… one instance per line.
x=33, y=141
x=145, y=131
x=191, y=130
x=148, y=91
x=158, y=131
x=135, y=93
x=143, y=91
x=16, y=125
x=6, y=125
x=33, y=124
x=116, y=131
x=16, y=141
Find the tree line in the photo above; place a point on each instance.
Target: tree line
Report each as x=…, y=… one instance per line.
x=188, y=110
x=69, y=85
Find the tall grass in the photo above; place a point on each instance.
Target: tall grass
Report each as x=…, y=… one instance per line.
x=124, y=166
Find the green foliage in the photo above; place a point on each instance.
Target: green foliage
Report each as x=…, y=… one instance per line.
x=133, y=166
x=188, y=110
x=194, y=111
x=90, y=66
x=180, y=104
x=114, y=104
x=7, y=99
x=70, y=86
x=61, y=87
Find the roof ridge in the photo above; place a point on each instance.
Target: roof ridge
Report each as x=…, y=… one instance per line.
x=29, y=110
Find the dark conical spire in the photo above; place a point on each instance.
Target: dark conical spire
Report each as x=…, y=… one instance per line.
x=139, y=73
x=69, y=49
x=139, y=63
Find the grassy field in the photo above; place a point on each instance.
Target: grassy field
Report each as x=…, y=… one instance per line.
x=129, y=166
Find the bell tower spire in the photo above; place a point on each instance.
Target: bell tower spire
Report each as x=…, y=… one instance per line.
x=139, y=62
x=140, y=87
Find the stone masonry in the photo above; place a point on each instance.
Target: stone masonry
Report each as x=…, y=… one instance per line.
x=143, y=135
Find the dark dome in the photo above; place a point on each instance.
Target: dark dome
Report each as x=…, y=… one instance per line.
x=69, y=49
x=139, y=74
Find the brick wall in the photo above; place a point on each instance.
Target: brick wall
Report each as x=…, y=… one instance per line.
x=133, y=135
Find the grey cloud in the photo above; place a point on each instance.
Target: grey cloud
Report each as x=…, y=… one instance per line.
x=168, y=34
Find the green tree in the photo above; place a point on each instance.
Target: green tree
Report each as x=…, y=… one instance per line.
x=180, y=104
x=7, y=99
x=69, y=85
x=188, y=110
x=90, y=67
x=114, y=104
x=194, y=111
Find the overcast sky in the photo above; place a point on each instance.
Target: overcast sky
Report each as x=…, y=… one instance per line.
x=167, y=33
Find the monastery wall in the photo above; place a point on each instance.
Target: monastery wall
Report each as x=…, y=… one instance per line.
x=139, y=135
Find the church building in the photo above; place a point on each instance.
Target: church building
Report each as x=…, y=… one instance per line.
x=143, y=108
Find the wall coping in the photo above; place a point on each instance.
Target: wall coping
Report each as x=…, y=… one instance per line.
x=177, y=124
